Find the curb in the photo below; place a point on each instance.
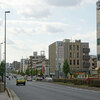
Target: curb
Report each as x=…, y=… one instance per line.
x=12, y=94
x=9, y=93
x=15, y=97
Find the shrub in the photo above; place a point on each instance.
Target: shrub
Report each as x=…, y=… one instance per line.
x=95, y=82
x=80, y=82
x=74, y=81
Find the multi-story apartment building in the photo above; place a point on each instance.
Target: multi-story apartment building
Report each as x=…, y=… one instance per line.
x=39, y=62
x=16, y=65
x=98, y=33
x=76, y=53
x=56, y=57
x=35, y=58
x=42, y=65
x=24, y=65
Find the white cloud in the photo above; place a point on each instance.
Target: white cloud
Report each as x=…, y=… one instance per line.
x=39, y=28
x=54, y=29
x=64, y=3
x=27, y=31
x=10, y=42
x=27, y=8
x=90, y=1
x=89, y=37
x=1, y=22
x=38, y=11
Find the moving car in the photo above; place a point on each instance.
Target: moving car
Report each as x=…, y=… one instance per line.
x=48, y=79
x=20, y=80
x=29, y=78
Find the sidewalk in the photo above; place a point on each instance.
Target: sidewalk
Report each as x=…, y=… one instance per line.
x=4, y=96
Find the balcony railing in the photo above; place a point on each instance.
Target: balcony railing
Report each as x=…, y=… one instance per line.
x=86, y=64
x=86, y=57
x=86, y=50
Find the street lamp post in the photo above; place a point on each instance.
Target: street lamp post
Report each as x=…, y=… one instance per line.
x=5, y=50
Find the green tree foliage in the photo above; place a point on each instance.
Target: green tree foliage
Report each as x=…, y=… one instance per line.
x=66, y=68
x=18, y=72
x=15, y=72
x=41, y=73
x=22, y=73
x=2, y=69
x=27, y=71
x=36, y=72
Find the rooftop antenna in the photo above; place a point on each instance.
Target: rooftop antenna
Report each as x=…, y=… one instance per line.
x=42, y=53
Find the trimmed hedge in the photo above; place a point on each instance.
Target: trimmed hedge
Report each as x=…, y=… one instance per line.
x=74, y=81
x=80, y=82
x=95, y=83
x=89, y=82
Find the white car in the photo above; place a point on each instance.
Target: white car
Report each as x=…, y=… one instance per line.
x=29, y=78
x=39, y=78
x=48, y=79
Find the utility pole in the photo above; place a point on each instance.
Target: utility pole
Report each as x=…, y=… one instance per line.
x=5, y=50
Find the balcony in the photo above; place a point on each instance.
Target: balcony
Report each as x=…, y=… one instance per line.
x=86, y=57
x=86, y=50
x=86, y=64
x=98, y=5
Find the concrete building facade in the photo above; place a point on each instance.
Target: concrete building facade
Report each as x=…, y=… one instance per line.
x=23, y=65
x=93, y=65
x=76, y=53
x=98, y=33
x=39, y=62
x=16, y=65
x=56, y=57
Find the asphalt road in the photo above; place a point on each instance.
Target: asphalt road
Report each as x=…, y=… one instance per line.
x=48, y=91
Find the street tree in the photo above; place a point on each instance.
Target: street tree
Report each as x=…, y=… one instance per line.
x=36, y=72
x=66, y=68
x=2, y=69
x=27, y=71
x=41, y=73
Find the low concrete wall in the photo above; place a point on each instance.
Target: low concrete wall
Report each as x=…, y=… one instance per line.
x=1, y=87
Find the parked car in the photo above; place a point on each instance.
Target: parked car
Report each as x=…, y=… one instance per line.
x=48, y=79
x=20, y=80
x=34, y=77
x=38, y=78
x=29, y=78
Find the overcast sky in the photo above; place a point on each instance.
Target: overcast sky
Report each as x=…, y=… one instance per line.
x=33, y=25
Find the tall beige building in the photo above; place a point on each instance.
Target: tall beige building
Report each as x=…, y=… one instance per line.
x=56, y=57
x=98, y=33
x=76, y=53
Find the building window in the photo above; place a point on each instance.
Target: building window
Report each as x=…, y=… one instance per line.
x=70, y=62
x=70, y=47
x=77, y=54
x=70, y=54
x=98, y=41
x=73, y=62
x=98, y=25
x=77, y=47
x=74, y=47
x=73, y=54
x=98, y=57
x=77, y=62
